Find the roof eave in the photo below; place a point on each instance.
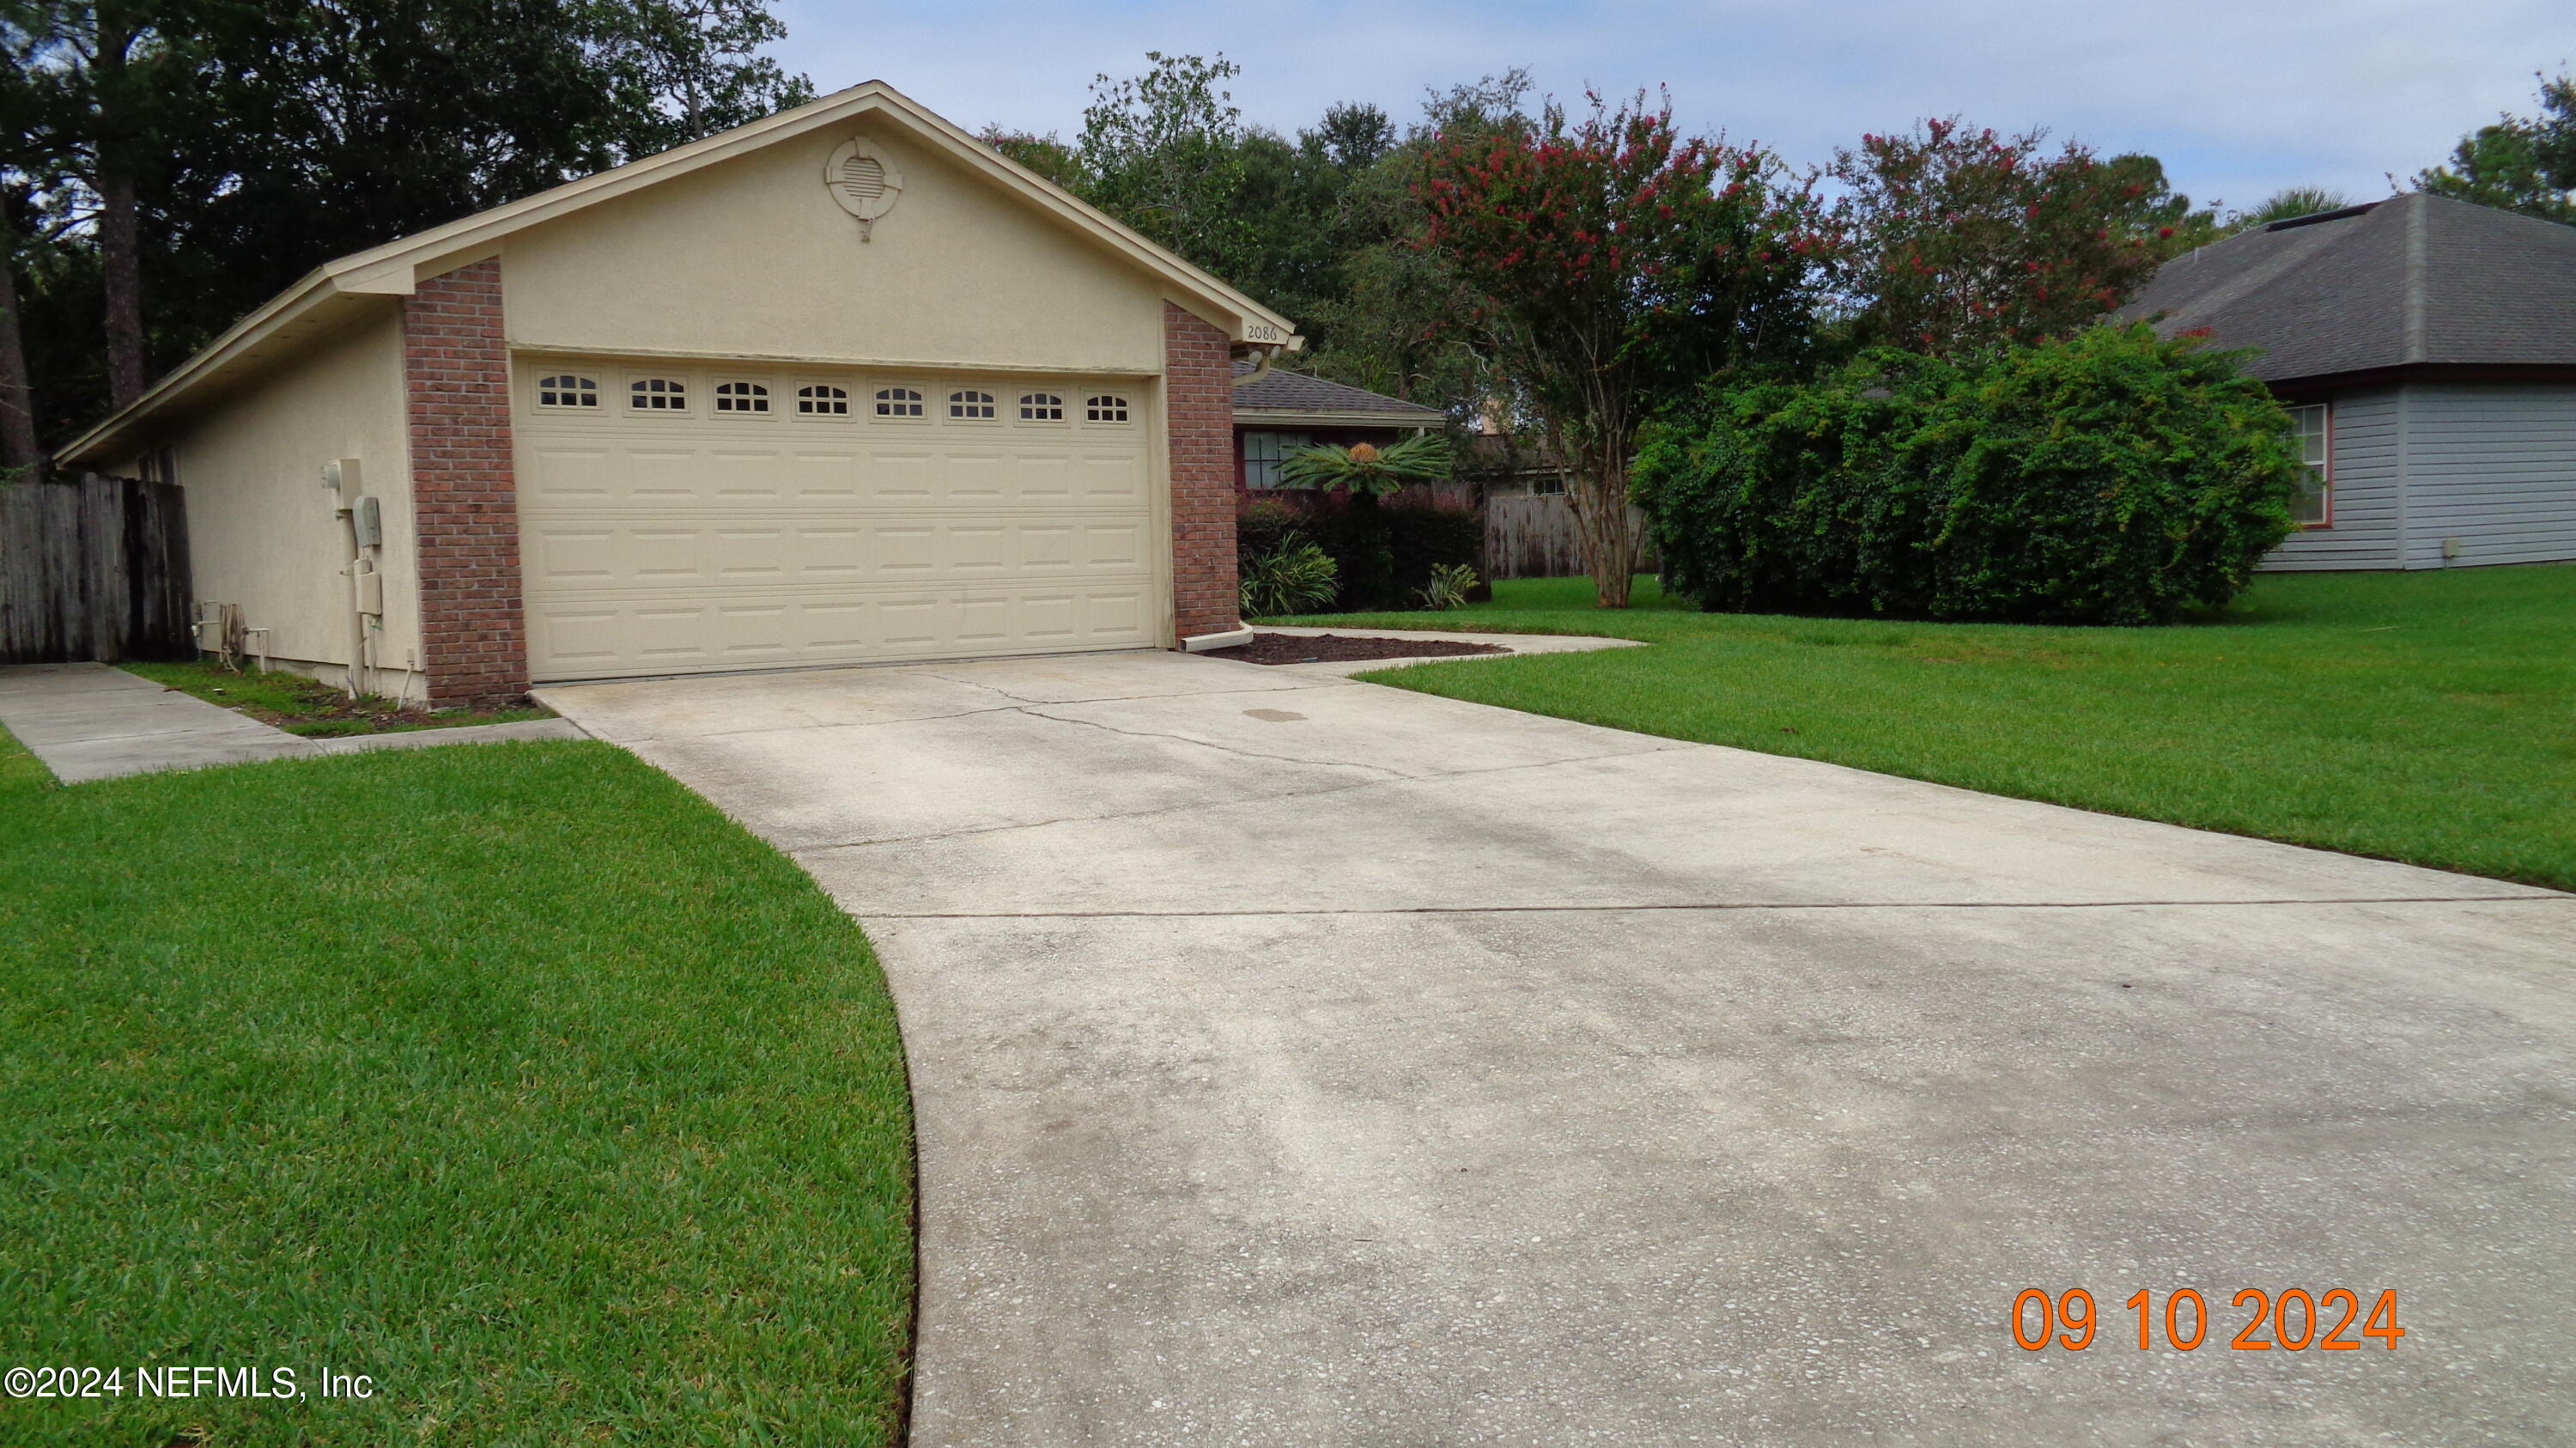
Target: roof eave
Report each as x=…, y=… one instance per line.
x=1330, y=418
x=393, y=268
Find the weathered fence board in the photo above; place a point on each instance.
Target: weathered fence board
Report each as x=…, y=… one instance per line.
x=1534, y=537
x=93, y=568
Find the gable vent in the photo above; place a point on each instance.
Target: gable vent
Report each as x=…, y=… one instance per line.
x=861, y=181
x=863, y=178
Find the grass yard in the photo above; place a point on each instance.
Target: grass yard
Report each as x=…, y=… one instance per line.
x=2428, y=717
x=309, y=707
x=512, y=1076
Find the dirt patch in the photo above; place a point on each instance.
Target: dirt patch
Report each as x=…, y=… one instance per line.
x=1278, y=648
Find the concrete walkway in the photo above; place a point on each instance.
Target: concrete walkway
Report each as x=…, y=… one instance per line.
x=89, y=721
x=1307, y=1062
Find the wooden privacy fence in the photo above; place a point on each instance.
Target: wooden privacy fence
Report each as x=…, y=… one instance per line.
x=1533, y=537
x=93, y=568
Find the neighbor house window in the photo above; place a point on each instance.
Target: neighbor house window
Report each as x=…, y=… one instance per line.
x=820, y=400
x=898, y=402
x=1106, y=409
x=741, y=397
x=1041, y=407
x=1548, y=485
x=658, y=394
x=970, y=404
x=1263, y=452
x=567, y=390
x=2314, y=507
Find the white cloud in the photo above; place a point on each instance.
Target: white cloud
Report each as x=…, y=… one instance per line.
x=2239, y=97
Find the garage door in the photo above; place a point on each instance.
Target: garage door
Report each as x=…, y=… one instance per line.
x=694, y=518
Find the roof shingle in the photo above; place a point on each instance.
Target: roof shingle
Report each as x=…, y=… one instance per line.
x=2413, y=280
x=1285, y=391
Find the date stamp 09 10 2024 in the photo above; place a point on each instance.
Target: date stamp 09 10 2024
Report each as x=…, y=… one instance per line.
x=2067, y=1320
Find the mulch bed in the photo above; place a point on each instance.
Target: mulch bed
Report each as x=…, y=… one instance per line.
x=1277, y=648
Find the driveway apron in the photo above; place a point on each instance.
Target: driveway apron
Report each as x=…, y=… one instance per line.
x=1300, y=1061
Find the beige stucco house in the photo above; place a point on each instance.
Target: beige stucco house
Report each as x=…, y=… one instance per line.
x=840, y=386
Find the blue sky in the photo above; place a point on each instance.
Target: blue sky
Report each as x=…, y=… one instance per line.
x=2239, y=97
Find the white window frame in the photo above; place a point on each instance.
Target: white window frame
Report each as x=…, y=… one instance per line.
x=920, y=398
x=1125, y=405
x=675, y=400
x=762, y=394
x=1024, y=398
x=2315, y=424
x=805, y=411
x=597, y=404
x=970, y=396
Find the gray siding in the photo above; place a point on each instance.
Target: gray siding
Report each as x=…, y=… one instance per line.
x=2492, y=465
x=2366, y=492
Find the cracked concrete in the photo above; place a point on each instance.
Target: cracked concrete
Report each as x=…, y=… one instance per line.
x=1304, y=1062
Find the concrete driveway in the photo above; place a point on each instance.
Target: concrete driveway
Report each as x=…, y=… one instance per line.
x=1308, y=1062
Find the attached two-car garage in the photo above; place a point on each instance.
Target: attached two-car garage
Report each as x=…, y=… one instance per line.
x=688, y=518
x=844, y=385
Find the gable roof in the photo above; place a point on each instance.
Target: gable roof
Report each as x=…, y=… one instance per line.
x=341, y=289
x=2416, y=280
x=1283, y=396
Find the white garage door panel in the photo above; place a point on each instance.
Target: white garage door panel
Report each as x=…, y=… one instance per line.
x=658, y=542
x=748, y=631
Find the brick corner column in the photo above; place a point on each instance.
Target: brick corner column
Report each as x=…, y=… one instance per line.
x=465, y=510
x=1198, y=410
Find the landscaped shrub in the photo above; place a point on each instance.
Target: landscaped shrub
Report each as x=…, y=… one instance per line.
x=2116, y=477
x=1280, y=567
x=1296, y=577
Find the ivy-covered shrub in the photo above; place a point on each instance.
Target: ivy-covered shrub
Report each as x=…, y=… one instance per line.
x=2116, y=477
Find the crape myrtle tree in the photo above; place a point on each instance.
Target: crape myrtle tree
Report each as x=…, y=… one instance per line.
x=1616, y=265
x=1961, y=240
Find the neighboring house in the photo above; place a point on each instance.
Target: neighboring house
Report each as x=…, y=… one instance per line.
x=2427, y=348
x=1277, y=412
x=839, y=386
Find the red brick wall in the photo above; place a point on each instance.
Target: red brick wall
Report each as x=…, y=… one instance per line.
x=465, y=511
x=1198, y=407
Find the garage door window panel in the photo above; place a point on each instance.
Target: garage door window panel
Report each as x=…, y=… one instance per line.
x=1105, y=407
x=971, y=405
x=568, y=392
x=822, y=399
x=1041, y=407
x=657, y=394
x=900, y=404
x=742, y=399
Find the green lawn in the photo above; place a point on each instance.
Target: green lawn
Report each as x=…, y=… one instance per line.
x=512, y=1076
x=2428, y=717
x=301, y=705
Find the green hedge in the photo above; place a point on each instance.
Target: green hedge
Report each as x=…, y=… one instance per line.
x=2116, y=477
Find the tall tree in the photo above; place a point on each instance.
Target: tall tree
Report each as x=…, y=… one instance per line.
x=1620, y=266
x=218, y=149
x=1163, y=152
x=1963, y=239
x=2521, y=163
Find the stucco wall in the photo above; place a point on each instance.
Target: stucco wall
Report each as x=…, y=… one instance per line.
x=261, y=532
x=753, y=257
